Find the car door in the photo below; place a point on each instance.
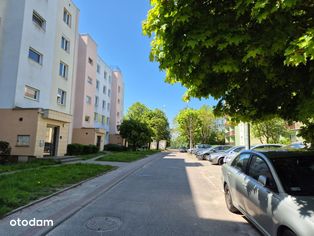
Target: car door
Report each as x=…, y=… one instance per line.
x=261, y=199
x=236, y=178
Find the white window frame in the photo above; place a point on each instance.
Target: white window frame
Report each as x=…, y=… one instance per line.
x=89, y=80
x=63, y=70
x=61, y=97
x=96, y=101
x=67, y=17
x=88, y=99
x=65, y=44
x=38, y=20
x=37, y=93
x=40, y=62
x=23, y=140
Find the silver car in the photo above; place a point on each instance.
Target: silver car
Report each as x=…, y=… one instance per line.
x=272, y=189
x=218, y=157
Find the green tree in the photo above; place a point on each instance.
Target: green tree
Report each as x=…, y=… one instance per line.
x=207, y=119
x=255, y=57
x=188, y=125
x=138, y=111
x=136, y=133
x=158, y=122
x=270, y=131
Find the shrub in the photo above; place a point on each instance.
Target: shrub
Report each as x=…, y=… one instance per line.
x=75, y=149
x=79, y=149
x=114, y=148
x=5, y=148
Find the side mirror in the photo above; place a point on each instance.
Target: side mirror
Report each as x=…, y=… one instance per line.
x=263, y=180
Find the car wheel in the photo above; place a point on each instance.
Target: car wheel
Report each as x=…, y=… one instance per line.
x=288, y=232
x=228, y=200
x=221, y=161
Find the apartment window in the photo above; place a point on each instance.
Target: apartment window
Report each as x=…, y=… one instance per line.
x=104, y=90
x=103, y=104
x=118, y=114
x=89, y=80
x=108, y=106
x=65, y=44
x=31, y=93
x=97, y=84
x=67, y=17
x=108, y=120
x=87, y=118
x=90, y=61
x=96, y=101
x=109, y=92
x=39, y=21
x=119, y=89
x=118, y=101
x=61, y=97
x=88, y=100
x=23, y=140
x=105, y=75
x=103, y=120
x=63, y=70
x=98, y=68
x=109, y=79
x=35, y=56
x=95, y=116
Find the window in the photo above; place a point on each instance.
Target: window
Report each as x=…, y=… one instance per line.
x=87, y=118
x=88, y=100
x=90, y=61
x=104, y=90
x=63, y=70
x=118, y=101
x=23, y=140
x=119, y=89
x=95, y=116
x=240, y=162
x=108, y=106
x=98, y=68
x=89, y=80
x=96, y=101
x=259, y=167
x=31, y=93
x=39, y=21
x=103, y=120
x=65, y=44
x=109, y=79
x=108, y=120
x=61, y=97
x=67, y=17
x=35, y=56
x=97, y=84
x=105, y=74
x=118, y=114
x=109, y=92
x=103, y=104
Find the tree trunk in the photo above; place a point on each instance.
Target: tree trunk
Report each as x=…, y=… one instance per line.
x=157, y=146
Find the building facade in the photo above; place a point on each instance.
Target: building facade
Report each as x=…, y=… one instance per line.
x=38, y=53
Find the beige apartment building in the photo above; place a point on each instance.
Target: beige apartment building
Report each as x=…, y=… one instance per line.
x=38, y=52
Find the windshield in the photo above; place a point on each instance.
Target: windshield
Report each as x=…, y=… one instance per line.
x=296, y=175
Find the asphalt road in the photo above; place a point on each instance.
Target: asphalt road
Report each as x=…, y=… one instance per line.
x=175, y=195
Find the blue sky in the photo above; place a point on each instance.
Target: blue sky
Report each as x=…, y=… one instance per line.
x=116, y=27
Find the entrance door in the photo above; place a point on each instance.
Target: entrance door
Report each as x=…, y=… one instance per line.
x=98, y=142
x=51, y=141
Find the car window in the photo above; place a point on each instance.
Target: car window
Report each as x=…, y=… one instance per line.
x=238, y=149
x=259, y=167
x=240, y=162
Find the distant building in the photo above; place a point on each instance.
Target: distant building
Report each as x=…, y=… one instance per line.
x=219, y=124
x=38, y=52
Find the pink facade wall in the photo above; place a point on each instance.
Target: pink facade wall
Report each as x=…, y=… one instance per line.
x=117, y=101
x=87, y=63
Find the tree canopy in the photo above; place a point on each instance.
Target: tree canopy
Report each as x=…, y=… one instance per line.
x=255, y=57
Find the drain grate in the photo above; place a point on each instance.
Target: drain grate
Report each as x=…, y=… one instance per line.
x=102, y=224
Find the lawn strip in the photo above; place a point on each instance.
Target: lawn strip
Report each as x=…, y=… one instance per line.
x=20, y=188
x=27, y=165
x=127, y=156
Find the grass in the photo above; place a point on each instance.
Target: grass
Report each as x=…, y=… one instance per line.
x=126, y=156
x=20, y=188
x=26, y=165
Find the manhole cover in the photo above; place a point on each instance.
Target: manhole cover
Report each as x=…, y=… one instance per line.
x=103, y=224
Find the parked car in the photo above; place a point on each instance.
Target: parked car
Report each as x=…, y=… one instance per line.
x=182, y=149
x=272, y=189
x=200, y=147
x=218, y=157
x=205, y=154
x=296, y=145
x=232, y=155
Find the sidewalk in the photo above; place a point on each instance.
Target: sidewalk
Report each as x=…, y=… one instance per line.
x=62, y=206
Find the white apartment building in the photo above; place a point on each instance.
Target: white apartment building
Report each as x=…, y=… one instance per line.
x=103, y=97
x=38, y=53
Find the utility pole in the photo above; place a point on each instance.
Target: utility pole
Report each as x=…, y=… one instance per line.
x=247, y=136
x=190, y=134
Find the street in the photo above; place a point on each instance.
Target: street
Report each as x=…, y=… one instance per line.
x=175, y=195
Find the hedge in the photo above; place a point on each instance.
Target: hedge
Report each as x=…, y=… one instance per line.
x=80, y=149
